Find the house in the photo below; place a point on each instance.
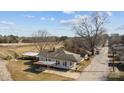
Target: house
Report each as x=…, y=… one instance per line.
x=84, y=53
x=118, y=46
x=117, y=50
x=120, y=55
x=59, y=59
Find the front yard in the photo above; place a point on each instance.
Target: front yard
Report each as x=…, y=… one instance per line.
x=21, y=71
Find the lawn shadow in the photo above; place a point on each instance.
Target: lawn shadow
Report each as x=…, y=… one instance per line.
x=120, y=67
x=28, y=63
x=59, y=69
x=33, y=68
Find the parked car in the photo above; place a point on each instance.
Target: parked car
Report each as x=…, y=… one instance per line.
x=97, y=52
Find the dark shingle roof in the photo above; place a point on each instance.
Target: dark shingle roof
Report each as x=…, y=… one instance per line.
x=62, y=55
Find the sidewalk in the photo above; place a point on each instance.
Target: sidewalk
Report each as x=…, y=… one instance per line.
x=4, y=73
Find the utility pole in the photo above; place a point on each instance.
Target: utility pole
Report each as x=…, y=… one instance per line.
x=113, y=61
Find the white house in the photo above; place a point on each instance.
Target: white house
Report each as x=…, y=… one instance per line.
x=59, y=59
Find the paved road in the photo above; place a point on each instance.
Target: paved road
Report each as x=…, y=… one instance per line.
x=4, y=73
x=98, y=69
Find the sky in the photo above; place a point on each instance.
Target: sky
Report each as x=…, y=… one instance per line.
x=25, y=23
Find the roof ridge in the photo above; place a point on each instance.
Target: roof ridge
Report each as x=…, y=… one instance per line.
x=72, y=54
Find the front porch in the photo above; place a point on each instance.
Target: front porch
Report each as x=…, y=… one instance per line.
x=50, y=68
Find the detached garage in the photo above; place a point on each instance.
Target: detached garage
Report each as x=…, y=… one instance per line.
x=30, y=56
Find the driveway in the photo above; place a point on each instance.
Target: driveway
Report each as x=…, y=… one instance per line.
x=98, y=69
x=4, y=73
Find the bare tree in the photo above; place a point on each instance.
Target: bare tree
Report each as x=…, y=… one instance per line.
x=73, y=44
x=43, y=40
x=103, y=39
x=115, y=39
x=91, y=28
x=40, y=39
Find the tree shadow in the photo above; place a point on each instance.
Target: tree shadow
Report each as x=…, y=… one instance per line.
x=28, y=63
x=59, y=69
x=120, y=66
x=33, y=68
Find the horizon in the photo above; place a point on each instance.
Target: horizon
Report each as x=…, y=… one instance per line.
x=25, y=23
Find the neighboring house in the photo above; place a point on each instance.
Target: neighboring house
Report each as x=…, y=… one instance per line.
x=119, y=49
x=59, y=59
x=118, y=46
x=84, y=53
x=119, y=53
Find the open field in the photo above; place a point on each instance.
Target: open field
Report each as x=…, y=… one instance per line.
x=11, y=51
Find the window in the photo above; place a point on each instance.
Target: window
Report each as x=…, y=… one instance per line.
x=65, y=63
x=46, y=59
x=40, y=59
x=49, y=59
x=70, y=63
x=57, y=62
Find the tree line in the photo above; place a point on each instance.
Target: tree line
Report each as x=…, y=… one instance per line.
x=9, y=39
x=18, y=39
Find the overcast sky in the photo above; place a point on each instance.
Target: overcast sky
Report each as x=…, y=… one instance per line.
x=56, y=23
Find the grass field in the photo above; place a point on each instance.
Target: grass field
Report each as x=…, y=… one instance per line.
x=20, y=71
x=10, y=51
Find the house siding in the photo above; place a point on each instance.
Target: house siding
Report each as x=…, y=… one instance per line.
x=61, y=63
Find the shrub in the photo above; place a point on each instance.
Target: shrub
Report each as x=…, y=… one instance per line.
x=8, y=57
x=13, y=54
